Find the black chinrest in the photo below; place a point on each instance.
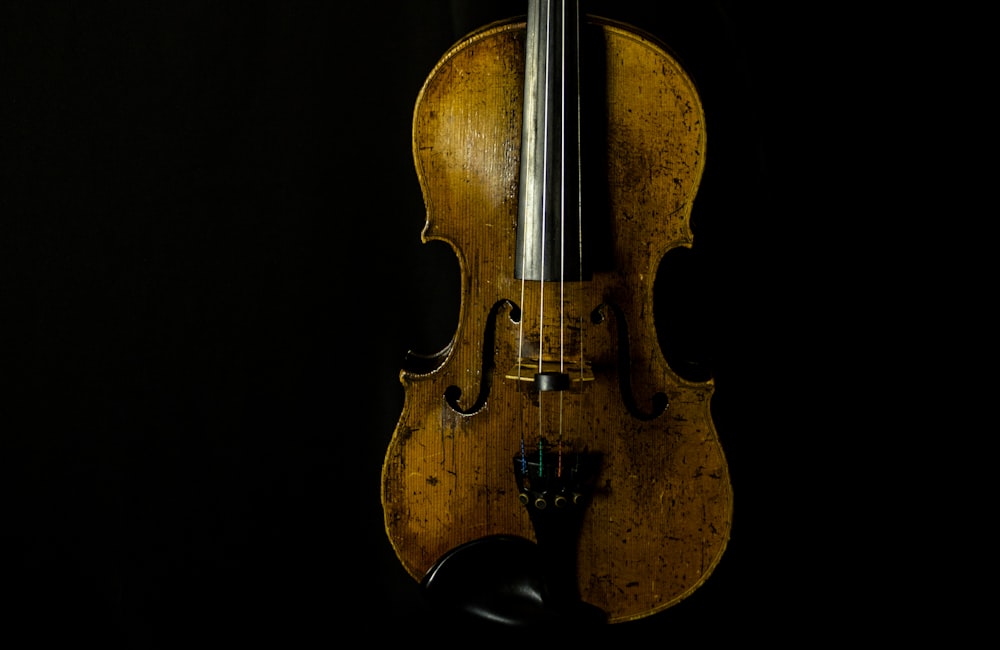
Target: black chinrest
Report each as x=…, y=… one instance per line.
x=501, y=580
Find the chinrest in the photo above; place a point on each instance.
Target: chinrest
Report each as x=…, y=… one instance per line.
x=501, y=580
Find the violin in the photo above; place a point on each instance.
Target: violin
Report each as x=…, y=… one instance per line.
x=559, y=155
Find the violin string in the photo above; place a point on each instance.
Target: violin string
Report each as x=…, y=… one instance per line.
x=545, y=202
x=563, y=96
x=577, y=30
x=534, y=45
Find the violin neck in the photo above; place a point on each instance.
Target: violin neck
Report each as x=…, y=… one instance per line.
x=549, y=242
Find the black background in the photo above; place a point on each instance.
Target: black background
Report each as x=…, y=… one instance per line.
x=211, y=271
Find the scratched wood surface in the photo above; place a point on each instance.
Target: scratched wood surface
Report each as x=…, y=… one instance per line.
x=660, y=516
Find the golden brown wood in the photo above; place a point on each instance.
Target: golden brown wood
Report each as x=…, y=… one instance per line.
x=660, y=516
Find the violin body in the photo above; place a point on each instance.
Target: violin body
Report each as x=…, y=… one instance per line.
x=658, y=497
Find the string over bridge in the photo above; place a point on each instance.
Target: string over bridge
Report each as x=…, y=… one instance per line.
x=552, y=375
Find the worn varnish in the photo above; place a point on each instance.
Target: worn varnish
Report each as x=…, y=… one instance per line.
x=659, y=517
